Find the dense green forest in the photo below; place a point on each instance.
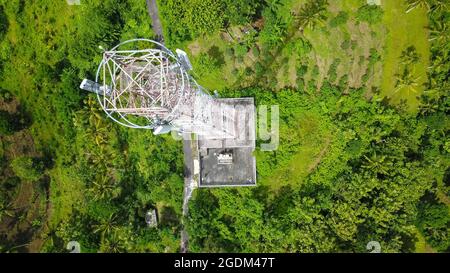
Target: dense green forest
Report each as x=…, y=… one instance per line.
x=364, y=150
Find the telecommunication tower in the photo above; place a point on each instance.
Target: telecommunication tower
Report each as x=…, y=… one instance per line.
x=142, y=84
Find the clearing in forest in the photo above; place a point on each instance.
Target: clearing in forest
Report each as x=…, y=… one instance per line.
x=404, y=30
x=315, y=139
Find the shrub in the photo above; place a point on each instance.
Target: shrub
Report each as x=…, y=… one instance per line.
x=248, y=71
x=371, y=14
x=315, y=72
x=433, y=222
x=365, y=77
x=345, y=44
x=256, y=52
x=6, y=95
x=332, y=73
x=259, y=69
x=215, y=53
x=361, y=60
x=343, y=81
x=205, y=64
x=374, y=56
x=229, y=52
x=340, y=19
x=240, y=50
x=302, y=70
x=6, y=123
x=3, y=23
x=27, y=168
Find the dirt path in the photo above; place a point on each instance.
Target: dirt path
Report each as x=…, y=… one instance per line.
x=156, y=23
x=187, y=148
x=320, y=156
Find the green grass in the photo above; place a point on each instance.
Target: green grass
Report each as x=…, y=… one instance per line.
x=327, y=46
x=404, y=29
x=67, y=193
x=315, y=140
x=217, y=79
x=421, y=245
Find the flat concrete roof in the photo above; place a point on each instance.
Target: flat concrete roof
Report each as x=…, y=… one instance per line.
x=242, y=170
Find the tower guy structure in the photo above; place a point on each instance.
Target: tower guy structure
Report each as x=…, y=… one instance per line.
x=142, y=84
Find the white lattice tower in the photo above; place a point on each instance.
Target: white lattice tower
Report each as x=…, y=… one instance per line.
x=142, y=84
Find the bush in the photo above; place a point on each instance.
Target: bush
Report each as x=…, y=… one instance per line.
x=229, y=52
x=374, y=56
x=248, y=71
x=343, y=81
x=205, y=64
x=340, y=19
x=6, y=126
x=6, y=95
x=345, y=44
x=259, y=69
x=315, y=72
x=27, y=168
x=365, y=77
x=240, y=50
x=332, y=72
x=433, y=222
x=3, y=23
x=302, y=70
x=371, y=14
x=256, y=52
x=215, y=53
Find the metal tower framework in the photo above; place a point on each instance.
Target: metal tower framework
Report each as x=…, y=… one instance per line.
x=148, y=83
x=142, y=84
x=149, y=88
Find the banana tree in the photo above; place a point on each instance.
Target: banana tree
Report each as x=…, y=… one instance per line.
x=407, y=81
x=6, y=209
x=439, y=6
x=377, y=164
x=106, y=226
x=412, y=4
x=440, y=32
x=312, y=14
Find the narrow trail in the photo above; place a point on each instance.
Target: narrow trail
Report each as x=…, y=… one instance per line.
x=152, y=9
x=188, y=189
x=320, y=156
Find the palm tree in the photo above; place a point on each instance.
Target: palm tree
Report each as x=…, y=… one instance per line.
x=106, y=226
x=104, y=188
x=440, y=33
x=116, y=242
x=412, y=4
x=406, y=81
x=439, y=6
x=428, y=107
x=410, y=56
x=273, y=5
x=313, y=13
x=377, y=164
x=6, y=210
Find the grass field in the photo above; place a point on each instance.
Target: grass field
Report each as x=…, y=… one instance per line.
x=315, y=140
x=404, y=29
